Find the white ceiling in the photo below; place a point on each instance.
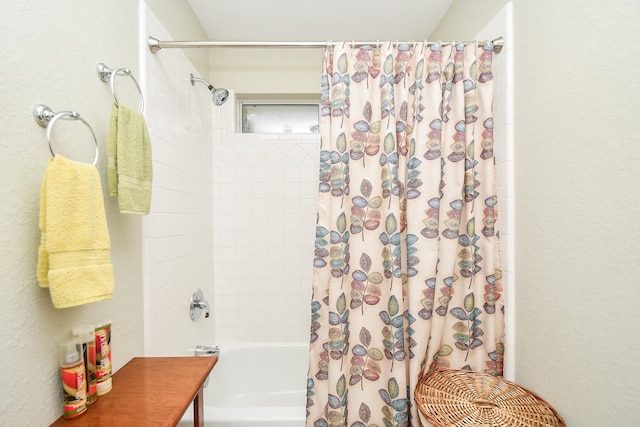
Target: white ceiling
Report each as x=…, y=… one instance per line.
x=319, y=20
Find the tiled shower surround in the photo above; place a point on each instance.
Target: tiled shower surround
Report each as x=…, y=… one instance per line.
x=178, y=240
x=234, y=214
x=264, y=212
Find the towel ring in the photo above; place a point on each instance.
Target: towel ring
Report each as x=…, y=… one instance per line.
x=106, y=74
x=46, y=118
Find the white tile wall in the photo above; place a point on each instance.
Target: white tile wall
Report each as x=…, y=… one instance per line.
x=501, y=25
x=178, y=234
x=264, y=216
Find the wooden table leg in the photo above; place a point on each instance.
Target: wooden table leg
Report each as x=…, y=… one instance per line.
x=198, y=409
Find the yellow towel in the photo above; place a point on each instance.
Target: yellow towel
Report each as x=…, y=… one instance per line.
x=129, y=164
x=74, y=259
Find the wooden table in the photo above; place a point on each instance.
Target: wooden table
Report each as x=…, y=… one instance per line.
x=150, y=391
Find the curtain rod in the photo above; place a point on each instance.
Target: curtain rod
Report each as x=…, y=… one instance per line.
x=155, y=44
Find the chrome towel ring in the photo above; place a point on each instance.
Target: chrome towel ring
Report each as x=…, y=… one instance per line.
x=46, y=118
x=107, y=74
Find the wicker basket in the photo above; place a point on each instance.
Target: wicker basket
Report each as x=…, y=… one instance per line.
x=455, y=398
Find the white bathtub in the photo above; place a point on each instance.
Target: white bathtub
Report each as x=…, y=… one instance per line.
x=257, y=385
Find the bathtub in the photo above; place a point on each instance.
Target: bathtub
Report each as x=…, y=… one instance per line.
x=257, y=385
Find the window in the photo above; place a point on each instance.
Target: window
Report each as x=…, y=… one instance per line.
x=279, y=117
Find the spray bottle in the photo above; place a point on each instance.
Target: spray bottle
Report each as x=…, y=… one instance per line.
x=73, y=377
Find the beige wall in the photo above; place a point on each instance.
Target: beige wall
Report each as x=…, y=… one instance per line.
x=181, y=22
x=577, y=239
x=577, y=154
x=266, y=71
x=255, y=71
x=465, y=19
x=50, y=51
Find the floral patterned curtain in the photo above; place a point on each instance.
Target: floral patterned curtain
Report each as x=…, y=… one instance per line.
x=406, y=267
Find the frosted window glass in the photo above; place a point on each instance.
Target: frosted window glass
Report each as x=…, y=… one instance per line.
x=279, y=118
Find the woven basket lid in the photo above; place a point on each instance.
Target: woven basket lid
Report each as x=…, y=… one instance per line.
x=455, y=398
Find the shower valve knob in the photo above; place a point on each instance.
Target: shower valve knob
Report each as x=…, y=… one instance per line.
x=198, y=305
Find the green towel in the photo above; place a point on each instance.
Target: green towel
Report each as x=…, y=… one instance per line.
x=129, y=164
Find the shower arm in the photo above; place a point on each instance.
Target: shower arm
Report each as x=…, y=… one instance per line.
x=194, y=79
x=200, y=79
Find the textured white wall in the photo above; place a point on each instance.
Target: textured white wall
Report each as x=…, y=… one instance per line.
x=577, y=156
x=178, y=233
x=49, y=55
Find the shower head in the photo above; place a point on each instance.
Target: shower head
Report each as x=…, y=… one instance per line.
x=219, y=95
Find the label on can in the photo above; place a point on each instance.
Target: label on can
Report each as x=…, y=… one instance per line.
x=75, y=392
x=103, y=353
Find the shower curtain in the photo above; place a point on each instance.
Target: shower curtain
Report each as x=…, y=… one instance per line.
x=406, y=263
